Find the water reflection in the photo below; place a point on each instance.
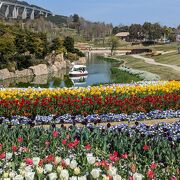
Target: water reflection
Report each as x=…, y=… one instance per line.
x=99, y=72
x=79, y=81
x=44, y=81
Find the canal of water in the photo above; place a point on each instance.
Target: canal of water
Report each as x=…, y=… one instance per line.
x=99, y=72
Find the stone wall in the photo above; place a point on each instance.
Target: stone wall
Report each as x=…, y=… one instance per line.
x=54, y=64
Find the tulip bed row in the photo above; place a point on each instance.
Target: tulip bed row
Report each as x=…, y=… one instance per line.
x=92, y=105
x=114, y=153
x=74, y=105
x=94, y=118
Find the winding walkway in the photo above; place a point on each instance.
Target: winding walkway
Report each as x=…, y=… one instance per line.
x=152, y=61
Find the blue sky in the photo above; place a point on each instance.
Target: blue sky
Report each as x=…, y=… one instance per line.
x=117, y=11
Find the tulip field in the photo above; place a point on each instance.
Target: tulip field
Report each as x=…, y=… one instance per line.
x=79, y=142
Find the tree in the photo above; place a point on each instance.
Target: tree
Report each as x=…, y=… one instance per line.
x=21, y=42
x=57, y=45
x=136, y=32
x=77, y=23
x=113, y=42
x=37, y=44
x=115, y=30
x=120, y=28
x=147, y=30
x=69, y=44
x=152, y=31
x=7, y=47
x=75, y=18
x=157, y=31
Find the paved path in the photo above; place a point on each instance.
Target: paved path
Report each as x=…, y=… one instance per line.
x=152, y=61
x=167, y=52
x=132, y=123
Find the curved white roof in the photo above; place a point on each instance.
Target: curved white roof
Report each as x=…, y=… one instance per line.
x=79, y=66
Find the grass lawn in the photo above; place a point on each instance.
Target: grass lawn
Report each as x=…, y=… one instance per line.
x=164, y=72
x=165, y=47
x=171, y=58
x=119, y=76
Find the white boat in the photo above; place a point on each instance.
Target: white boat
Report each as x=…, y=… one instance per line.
x=78, y=70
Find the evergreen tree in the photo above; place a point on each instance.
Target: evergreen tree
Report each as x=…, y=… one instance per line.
x=69, y=44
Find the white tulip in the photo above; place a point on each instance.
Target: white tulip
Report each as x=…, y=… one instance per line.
x=28, y=169
x=67, y=161
x=82, y=177
x=73, y=164
x=89, y=154
x=59, y=169
x=117, y=177
x=77, y=171
x=58, y=159
x=23, y=165
x=36, y=160
x=64, y=174
x=39, y=170
x=5, y=175
x=52, y=176
x=48, y=167
x=73, y=178
x=95, y=173
x=22, y=172
x=7, y=179
x=138, y=176
x=8, y=156
x=112, y=171
x=29, y=175
x=12, y=174
x=91, y=159
x=105, y=177
x=18, y=177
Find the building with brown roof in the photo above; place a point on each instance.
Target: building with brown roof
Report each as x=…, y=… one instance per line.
x=123, y=36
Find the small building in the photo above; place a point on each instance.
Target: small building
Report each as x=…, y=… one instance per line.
x=123, y=36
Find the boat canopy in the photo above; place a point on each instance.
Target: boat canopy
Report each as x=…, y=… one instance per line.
x=79, y=66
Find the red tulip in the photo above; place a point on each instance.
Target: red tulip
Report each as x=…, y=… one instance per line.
x=64, y=141
x=146, y=147
x=28, y=161
x=76, y=142
x=150, y=174
x=173, y=178
x=130, y=178
x=55, y=134
x=104, y=163
x=20, y=139
x=113, y=157
x=47, y=143
x=64, y=165
x=88, y=147
x=70, y=145
x=153, y=166
x=3, y=155
x=49, y=158
x=41, y=163
x=14, y=148
x=124, y=156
